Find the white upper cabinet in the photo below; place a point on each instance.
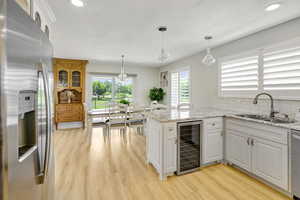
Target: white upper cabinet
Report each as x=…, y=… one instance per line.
x=42, y=9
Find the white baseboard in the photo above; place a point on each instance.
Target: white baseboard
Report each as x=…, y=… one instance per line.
x=67, y=125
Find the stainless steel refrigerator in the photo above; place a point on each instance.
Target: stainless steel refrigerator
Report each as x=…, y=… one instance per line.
x=27, y=159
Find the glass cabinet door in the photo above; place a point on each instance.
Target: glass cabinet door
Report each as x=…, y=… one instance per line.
x=76, y=79
x=63, y=78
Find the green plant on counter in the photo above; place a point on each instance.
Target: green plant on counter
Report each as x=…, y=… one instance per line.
x=124, y=101
x=156, y=94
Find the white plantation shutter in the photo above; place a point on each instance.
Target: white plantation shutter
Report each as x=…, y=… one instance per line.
x=180, y=88
x=282, y=70
x=184, y=87
x=174, y=88
x=239, y=75
x=274, y=69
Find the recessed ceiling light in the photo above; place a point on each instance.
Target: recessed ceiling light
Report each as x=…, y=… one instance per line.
x=78, y=3
x=273, y=6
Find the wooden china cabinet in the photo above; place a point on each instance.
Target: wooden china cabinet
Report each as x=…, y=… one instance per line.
x=69, y=90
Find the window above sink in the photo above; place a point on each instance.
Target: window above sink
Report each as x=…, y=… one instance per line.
x=274, y=69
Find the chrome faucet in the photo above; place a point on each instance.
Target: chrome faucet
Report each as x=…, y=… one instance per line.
x=272, y=112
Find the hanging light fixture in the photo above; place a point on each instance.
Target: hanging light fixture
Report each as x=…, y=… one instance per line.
x=209, y=58
x=164, y=56
x=122, y=76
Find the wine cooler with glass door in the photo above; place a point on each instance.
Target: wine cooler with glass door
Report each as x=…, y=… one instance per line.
x=189, y=146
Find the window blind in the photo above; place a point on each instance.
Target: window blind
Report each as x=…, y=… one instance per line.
x=174, y=89
x=180, y=88
x=184, y=87
x=282, y=70
x=239, y=75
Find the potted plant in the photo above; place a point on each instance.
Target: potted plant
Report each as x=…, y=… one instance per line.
x=156, y=94
x=124, y=101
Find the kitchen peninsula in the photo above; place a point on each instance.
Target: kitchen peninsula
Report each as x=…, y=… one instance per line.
x=162, y=137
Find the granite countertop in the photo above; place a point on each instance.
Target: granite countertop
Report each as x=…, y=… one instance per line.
x=282, y=125
x=176, y=115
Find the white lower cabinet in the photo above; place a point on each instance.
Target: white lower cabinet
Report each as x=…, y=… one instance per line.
x=254, y=148
x=237, y=150
x=170, y=134
x=153, y=143
x=270, y=161
x=212, y=149
x=161, y=141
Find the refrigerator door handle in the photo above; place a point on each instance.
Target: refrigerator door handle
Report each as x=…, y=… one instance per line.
x=44, y=171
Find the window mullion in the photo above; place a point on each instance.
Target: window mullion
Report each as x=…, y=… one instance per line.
x=178, y=81
x=113, y=88
x=261, y=70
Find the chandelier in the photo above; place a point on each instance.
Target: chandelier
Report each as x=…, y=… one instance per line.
x=122, y=76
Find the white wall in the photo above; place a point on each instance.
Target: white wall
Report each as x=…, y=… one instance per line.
x=145, y=79
x=201, y=91
x=205, y=79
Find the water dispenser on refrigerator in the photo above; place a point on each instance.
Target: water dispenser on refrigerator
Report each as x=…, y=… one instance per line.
x=27, y=117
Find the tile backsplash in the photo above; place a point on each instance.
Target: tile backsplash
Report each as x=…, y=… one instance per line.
x=262, y=107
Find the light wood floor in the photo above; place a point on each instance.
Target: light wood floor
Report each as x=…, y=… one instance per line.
x=88, y=168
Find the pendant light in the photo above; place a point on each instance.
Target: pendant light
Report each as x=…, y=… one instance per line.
x=122, y=76
x=209, y=58
x=164, y=56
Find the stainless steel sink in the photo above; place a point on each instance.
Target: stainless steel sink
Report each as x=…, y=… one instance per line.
x=282, y=121
x=259, y=117
x=268, y=119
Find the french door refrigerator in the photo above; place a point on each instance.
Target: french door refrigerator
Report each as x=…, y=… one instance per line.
x=27, y=163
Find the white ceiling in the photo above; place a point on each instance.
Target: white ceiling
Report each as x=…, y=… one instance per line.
x=105, y=29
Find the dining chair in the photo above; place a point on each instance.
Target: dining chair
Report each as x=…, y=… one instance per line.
x=117, y=118
x=137, y=119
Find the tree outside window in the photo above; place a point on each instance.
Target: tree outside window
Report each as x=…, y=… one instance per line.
x=107, y=89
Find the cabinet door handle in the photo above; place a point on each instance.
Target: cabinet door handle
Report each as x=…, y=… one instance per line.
x=213, y=124
x=171, y=129
x=248, y=141
x=252, y=142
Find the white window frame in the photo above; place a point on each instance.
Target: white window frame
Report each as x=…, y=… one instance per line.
x=260, y=53
x=180, y=69
x=237, y=94
x=108, y=75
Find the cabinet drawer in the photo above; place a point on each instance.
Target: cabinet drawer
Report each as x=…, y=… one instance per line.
x=68, y=118
x=69, y=112
x=213, y=123
x=171, y=129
